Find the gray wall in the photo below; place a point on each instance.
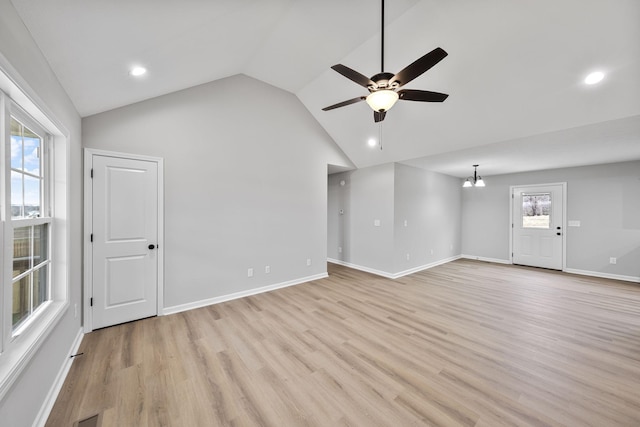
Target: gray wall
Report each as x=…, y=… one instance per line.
x=245, y=183
x=367, y=196
x=604, y=198
x=21, y=405
x=430, y=203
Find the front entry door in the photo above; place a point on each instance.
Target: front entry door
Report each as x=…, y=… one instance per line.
x=125, y=237
x=537, y=223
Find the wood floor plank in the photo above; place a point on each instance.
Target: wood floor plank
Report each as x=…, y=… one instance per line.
x=467, y=343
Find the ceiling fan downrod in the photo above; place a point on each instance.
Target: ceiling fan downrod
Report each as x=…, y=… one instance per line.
x=382, y=40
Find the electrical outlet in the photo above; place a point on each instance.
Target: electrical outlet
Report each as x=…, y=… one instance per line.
x=408, y=257
x=267, y=269
x=406, y=223
x=613, y=260
x=250, y=272
x=339, y=249
x=308, y=261
x=431, y=251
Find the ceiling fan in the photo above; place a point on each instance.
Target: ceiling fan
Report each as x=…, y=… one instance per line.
x=383, y=87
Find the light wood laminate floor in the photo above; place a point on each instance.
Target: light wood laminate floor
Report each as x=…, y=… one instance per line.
x=467, y=343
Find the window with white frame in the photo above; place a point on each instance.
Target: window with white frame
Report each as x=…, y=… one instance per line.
x=30, y=222
x=34, y=229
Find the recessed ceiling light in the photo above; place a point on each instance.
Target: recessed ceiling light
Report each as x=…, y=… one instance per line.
x=371, y=142
x=138, y=71
x=594, y=77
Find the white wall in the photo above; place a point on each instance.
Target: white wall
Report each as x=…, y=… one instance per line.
x=25, y=64
x=604, y=198
x=245, y=183
x=430, y=203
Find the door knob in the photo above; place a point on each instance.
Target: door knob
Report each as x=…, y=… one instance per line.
x=152, y=246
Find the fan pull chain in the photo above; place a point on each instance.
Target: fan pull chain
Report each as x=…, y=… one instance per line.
x=380, y=134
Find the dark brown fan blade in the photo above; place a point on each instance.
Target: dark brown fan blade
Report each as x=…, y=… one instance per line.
x=378, y=116
x=418, y=67
x=421, y=95
x=344, y=103
x=353, y=75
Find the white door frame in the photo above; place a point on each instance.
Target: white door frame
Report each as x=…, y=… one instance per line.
x=87, y=318
x=564, y=218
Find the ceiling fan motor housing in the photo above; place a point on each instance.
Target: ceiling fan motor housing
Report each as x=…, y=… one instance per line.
x=382, y=82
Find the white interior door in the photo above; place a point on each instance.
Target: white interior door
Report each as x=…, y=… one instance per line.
x=537, y=223
x=124, y=240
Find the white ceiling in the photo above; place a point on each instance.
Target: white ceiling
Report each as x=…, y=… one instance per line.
x=514, y=71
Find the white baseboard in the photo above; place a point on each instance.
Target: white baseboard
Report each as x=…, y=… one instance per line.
x=603, y=275
x=633, y=279
x=361, y=268
x=217, y=300
x=481, y=258
x=393, y=275
x=425, y=267
x=47, y=406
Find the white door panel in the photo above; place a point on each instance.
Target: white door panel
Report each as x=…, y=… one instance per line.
x=537, y=224
x=125, y=228
x=119, y=272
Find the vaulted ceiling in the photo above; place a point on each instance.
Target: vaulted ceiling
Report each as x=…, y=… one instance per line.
x=514, y=73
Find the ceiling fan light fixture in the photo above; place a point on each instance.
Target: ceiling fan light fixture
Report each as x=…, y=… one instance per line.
x=382, y=86
x=382, y=100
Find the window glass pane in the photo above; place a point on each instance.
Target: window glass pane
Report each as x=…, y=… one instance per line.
x=16, y=195
x=32, y=155
x=25, y=148
x=21, y=300
x=31, y=197
x=40, y=286
x=16, y=145
x=40, y=244
x=21, y=250
x=536, y=210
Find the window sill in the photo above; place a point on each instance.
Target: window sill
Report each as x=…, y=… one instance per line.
x=33, y=319
x=26, y=342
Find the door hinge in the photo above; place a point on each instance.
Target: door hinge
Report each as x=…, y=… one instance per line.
x=91, y=237
x=92, y=173
x=91, y=301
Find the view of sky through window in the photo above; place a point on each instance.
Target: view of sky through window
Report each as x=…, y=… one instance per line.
x=26, y=174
